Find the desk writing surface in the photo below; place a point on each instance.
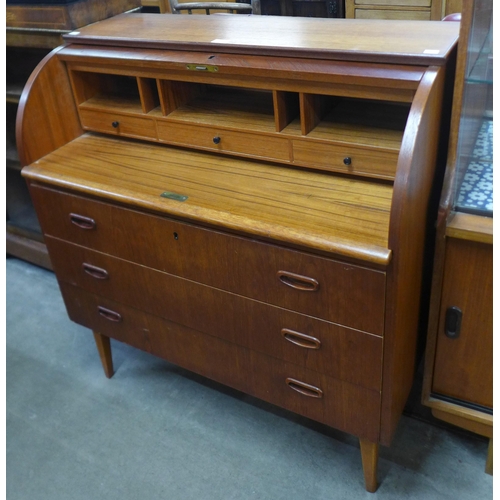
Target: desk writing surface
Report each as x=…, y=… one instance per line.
x=328, y=212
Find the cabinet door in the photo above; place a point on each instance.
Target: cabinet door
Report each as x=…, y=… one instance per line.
x=464, y=365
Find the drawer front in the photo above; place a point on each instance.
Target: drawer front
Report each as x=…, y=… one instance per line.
x=129, y=126
x=318, y=345
x=393, y=15
x=395, y=3
x=222, y=141
x=346, y=159
x=346, y=294
x=348, y=407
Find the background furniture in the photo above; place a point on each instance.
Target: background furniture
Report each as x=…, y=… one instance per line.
x=458, y=382
x=312, y=8
x=206, y=7
x=24, y=236
x=303, y=8
x=422, y=10
x=33, y=30
x=162, y=5
x=267, y=230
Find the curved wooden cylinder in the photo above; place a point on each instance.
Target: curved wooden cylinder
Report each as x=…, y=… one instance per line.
x=47, y=117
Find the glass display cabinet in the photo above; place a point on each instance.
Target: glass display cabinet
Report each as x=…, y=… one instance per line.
x=458, y=382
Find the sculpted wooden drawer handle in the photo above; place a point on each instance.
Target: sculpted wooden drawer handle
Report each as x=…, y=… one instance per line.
x=109, y=314
x=95, y=272
x=301, y=339
x=82, y=221
x=298, y=282
x=303, y=388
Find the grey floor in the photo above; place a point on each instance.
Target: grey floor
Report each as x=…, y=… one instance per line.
x=155, y=431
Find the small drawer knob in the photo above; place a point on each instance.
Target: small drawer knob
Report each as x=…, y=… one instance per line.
x=115, y=124
x=216, y=139
x=347, y=160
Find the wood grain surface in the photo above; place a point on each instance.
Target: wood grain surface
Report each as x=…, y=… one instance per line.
x=219, y=118
x=409, y=42
x=463, y=366
x=470, y=227
x=258, y=70
x=343, y=353
x=327, y=213
x=347, y=295
x=343, y=405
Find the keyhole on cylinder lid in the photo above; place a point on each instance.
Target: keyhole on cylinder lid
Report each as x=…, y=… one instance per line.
x=176, y=236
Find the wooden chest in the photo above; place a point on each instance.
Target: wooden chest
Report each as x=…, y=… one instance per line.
x=247, y=197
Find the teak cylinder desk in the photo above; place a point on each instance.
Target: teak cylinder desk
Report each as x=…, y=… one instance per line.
x=247, y=197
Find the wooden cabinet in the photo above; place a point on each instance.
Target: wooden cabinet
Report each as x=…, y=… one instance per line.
x=458, y=382
x=468, y=287
x=247, y=207
x=32, y=31
x=418, y=10
x=23, y=233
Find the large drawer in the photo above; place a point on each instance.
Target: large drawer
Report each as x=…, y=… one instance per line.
x=318, y=345
x=348, y=407
x=343, y=293
x=225, y=141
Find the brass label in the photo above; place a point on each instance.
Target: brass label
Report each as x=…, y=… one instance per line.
x=202, y=67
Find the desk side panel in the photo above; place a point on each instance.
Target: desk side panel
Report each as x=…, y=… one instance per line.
x=417, y=173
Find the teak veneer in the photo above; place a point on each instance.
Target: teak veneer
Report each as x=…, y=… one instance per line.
x=247, y=197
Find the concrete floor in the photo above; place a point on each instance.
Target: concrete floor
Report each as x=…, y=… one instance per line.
x=155, y=431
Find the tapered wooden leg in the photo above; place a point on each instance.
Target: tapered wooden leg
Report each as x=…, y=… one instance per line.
x=369, y=457
x=104, y=347
x=489, y=460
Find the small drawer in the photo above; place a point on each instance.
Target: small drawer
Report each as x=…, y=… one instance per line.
x=351, y=160
x=224, y=141
x=117, y=124
x=342, y=293
x=339, y=352
x=342, y=405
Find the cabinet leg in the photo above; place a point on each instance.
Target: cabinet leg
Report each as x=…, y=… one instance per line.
x=489, y=460
x=369, y=457
x=104, y=348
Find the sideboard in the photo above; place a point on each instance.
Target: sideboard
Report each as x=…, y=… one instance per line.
x=458, y=377
x=248, y=197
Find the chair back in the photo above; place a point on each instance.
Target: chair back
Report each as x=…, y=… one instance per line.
x=207, y=7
